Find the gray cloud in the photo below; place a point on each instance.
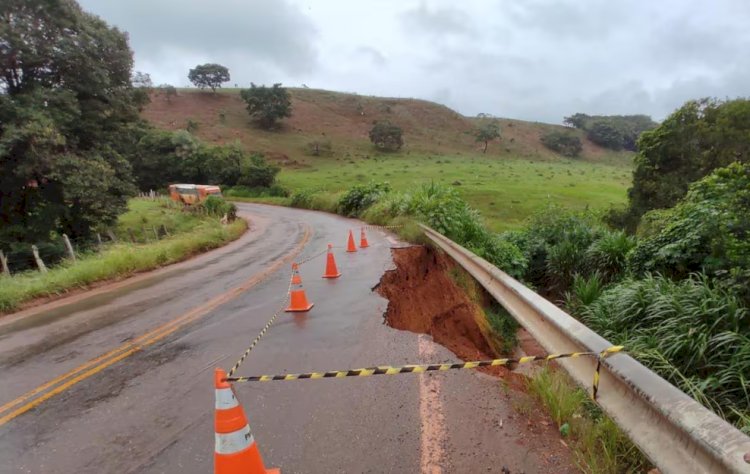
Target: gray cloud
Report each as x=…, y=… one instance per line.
x=438, y=21
x=530, y=59
x=267, y=35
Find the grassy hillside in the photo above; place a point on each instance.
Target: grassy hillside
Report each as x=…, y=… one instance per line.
x=516, y=176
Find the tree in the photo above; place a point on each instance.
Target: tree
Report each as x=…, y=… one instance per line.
x=169, y=91
x=562, y=142
x=606, y=134
x=696, y=139
x=209, y=75
x=267, y=105
x=319, y=147
x=487, y=132
x=386, y=136
x=142, y=79
x=707, y=231
x=68, y=119
x=257, y=173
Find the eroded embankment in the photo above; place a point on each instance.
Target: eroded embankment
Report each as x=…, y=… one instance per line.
x=423, y=298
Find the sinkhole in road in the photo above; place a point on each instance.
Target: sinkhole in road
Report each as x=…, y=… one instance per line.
x=424, y=296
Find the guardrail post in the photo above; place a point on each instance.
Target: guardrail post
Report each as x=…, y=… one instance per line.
x=4, y=262
x=39, y=263
x=69, y=247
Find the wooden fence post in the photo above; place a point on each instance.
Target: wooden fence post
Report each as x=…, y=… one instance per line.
x=111, y=235
x=69, y=247
x=164, y=228
x=4, y=263
x=38, y=260
x=99, y=240
x=145, y=235
x=132, y=235
x=156, y=232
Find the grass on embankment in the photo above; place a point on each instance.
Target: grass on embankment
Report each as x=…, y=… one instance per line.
x=598, y=444
x=190, y=234
x=505, y=190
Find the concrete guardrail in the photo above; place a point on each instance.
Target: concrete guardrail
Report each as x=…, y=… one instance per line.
x=677, y=434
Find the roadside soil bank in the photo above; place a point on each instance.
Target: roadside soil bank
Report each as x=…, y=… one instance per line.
x=423, y=298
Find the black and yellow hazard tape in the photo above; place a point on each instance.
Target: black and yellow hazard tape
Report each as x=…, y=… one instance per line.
x=263, y=331
x=386, y=227
x=418, y=369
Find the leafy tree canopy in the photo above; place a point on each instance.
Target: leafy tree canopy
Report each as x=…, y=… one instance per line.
x=386, y=136
x=709, y=230
x=209, y=75
x=267, y=105
x=486, y=132
x=562, y=142
x=68, y=113
x=612, y=131
x=696, y=139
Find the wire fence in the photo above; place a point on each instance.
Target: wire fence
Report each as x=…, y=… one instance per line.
x=17, y=257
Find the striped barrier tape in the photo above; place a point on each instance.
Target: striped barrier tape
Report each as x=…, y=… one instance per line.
x=262, y=331
x=371, y=226
x=418, y=369
x=273, y=318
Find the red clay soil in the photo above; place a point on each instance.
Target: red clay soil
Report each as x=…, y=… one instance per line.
x=422, y=298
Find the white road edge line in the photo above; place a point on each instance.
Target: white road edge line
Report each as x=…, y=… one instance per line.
x=431, y=415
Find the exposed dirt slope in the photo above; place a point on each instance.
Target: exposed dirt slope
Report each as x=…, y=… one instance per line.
x=345, y=119
x=422, y=298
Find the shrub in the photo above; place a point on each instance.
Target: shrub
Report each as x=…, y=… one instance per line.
x=583, y=292
x=360, y=197
x=302, y=199
x=608, y=254
x=691, y=333
x=255, y=172
x=218, y=207
x=386, y=136
x=320, y=147
x=564, y=143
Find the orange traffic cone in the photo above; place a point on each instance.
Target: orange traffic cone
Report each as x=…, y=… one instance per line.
x=297, y=298
x=350, y=247
x=363, y=239
x=331, y=270
x=235, y=451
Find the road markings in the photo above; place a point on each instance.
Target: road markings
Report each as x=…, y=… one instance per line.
x=430, y=414
x=107, y=359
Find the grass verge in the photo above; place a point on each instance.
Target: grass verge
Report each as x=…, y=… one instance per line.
x=190, y=234
x=599, y=446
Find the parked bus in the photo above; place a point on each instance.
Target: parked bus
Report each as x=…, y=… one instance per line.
x=190, y=194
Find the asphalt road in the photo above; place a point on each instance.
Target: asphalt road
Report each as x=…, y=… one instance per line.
x=120, y=379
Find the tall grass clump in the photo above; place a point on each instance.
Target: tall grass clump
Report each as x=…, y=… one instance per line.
x=598, y=444
x=693, y=334
x=190, y=234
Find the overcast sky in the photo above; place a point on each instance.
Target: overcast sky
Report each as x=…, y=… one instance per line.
x=526, y=59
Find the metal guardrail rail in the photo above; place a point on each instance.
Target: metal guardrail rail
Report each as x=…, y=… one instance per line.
x=676, y=433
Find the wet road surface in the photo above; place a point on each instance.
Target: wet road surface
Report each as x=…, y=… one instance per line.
x=122, y=381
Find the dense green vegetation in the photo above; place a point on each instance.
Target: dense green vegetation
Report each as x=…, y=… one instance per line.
x=612, y=131
x=565, y=143
x=696, y=139
x=189, y=233
x=690, y=323
x=67, y=118
x=267, y=105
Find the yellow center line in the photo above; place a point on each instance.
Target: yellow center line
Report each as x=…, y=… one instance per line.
x=107, y=359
